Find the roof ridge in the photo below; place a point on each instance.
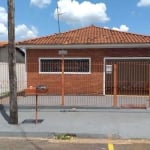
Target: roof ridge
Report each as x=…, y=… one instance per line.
x=89, y=35
x=54, y=34
x=84, y=28
x=124, y=32
x=114, y=30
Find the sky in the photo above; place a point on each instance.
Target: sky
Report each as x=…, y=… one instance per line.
x=34, y=18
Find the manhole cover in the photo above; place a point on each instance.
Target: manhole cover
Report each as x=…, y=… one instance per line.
x=30, y=121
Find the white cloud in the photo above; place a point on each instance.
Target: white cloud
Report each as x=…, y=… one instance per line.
x=142, y=3
x=21, y=31
x=3, y=15
x=85, y=13
x=24, y=32
x=3, y=31
x=40, y=3
x=122, y=27
x=106, y=27
x=3, y=23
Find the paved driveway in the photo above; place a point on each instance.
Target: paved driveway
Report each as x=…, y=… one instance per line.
x=99, y=123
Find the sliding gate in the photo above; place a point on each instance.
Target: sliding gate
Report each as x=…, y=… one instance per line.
x=128, y=80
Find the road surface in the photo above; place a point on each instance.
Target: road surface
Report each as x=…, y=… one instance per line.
x=79, y=144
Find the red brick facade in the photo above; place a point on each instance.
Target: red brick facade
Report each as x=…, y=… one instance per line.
x=76, y=83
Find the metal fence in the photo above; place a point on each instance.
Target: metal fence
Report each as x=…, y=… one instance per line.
x=122, y=83
x=130, y=78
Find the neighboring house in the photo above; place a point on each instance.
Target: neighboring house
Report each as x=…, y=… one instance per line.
x=90, y=55
x=4, y=73
x=20, y=55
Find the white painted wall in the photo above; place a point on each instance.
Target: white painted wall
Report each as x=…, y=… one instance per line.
x=4, y=77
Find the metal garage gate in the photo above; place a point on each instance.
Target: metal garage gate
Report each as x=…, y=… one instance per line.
x=128, y=79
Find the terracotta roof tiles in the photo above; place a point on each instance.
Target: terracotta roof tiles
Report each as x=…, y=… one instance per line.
x=89, y=35
x=3, y=44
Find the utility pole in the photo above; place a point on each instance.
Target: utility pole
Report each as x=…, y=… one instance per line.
x=12, y=63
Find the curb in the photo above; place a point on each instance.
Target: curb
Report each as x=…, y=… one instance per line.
x=52, y=135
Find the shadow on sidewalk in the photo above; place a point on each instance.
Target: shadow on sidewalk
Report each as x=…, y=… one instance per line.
x=3, y=112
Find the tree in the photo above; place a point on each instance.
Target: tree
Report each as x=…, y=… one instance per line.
x=12, y=63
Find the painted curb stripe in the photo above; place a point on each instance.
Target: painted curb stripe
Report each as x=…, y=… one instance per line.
x=110, y=147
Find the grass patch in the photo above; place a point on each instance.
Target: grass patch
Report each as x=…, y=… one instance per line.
x=4, y=94
x=65, y=136
x=7, y=93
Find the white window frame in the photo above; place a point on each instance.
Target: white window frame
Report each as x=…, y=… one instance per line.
x=68, y=58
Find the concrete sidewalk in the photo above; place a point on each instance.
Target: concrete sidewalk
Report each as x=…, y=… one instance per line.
x=96, y=123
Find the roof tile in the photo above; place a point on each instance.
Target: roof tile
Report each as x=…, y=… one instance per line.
x=3, y=44
x=89, y=35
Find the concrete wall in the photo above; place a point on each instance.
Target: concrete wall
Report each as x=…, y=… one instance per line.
x=4, y=77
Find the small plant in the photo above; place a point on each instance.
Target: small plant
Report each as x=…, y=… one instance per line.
x=65, y=136
x=4, y=94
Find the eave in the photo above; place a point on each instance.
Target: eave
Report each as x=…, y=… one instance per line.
x=86, y=46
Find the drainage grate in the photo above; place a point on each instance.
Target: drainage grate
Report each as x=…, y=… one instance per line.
x=30, y=121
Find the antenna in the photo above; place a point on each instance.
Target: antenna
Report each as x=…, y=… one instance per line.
x=58, y=18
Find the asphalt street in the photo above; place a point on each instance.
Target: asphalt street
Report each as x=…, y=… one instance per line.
x=79, y=144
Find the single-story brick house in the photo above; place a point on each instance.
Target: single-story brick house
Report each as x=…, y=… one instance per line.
x=89, y=56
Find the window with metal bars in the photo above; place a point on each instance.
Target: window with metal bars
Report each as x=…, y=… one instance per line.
x=71, y=65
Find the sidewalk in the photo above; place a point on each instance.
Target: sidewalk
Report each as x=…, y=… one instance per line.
x=87, y=123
